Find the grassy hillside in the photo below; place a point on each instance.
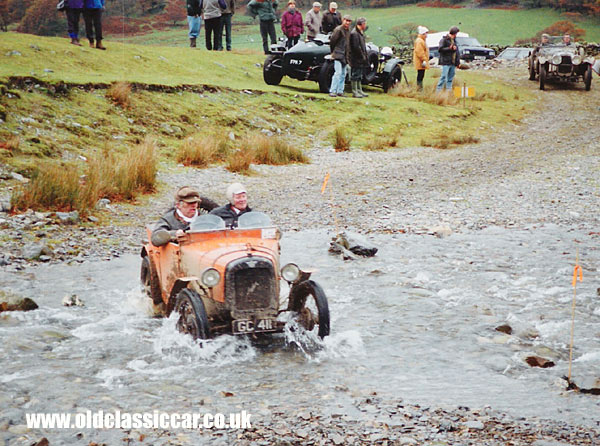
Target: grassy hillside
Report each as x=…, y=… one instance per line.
x=490, y=26
x=220, y=94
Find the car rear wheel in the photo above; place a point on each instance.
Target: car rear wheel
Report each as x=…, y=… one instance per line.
x=588, y=78
x=271, y=72
x=325, y=76
x=531, y=70
x=373, y=61
x=149, y=281
x=309, y=301
x=394, y=78
x=542, y=76
x=192, y=314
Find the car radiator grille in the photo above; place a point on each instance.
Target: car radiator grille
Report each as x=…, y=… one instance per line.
x=250, y=284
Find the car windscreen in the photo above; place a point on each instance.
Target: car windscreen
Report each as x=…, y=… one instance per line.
x=254, y=219
x=467, y=41
x=207, y=222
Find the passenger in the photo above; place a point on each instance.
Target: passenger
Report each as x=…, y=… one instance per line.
x=313, y=21
x=238, y=205
x=545, y=40
x=178, y=219
x=331, y=19
x=567, y=39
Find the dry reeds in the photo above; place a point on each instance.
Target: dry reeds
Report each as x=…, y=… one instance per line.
x=240, y=161
x=429, y=95
x=448, y=141
x=62, y=187
x=275, y=151
x=120, y=93
x=341, y=140
x=11, y=145
x=489, y=96
x=381, y=143
x=202, y=151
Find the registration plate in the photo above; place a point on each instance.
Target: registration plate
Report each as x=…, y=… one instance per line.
x=480, y=57
x=243, y=326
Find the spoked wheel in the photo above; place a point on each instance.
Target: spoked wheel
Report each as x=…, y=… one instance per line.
x=192, y=315
x=149, y=281
x=309, y=301
x=393, y=79
x=542, y=76
x=587, y=79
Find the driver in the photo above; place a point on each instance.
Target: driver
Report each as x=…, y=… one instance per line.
x=238, y=205
x=177, y=220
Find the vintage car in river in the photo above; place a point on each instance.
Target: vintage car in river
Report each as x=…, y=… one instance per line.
x=557, y=62
x=223, y=280
x=311, y=61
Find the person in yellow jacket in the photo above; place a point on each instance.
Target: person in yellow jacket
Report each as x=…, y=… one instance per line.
x=421, y=55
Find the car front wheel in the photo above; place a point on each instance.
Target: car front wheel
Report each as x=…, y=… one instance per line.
x=271, y=72
x=531, y=70
x=308, y=299
x=325, y=76
x=542, y=76
x=393, y=79
x=192, y=314
x=588, y=78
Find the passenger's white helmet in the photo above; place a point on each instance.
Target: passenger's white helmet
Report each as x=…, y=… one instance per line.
x=386, y=51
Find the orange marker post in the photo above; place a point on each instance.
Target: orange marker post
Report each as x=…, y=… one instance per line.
x=577, y=274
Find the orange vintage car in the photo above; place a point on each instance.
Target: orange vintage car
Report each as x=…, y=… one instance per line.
x=223, y=280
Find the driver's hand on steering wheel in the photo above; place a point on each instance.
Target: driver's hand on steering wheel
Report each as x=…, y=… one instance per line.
x=180, y=233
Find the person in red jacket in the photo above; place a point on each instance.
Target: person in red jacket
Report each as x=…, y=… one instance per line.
x=291, y=24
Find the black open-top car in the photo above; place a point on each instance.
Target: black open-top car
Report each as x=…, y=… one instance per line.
x=311, y=61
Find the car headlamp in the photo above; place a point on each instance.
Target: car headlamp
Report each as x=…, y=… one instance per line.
x=542, y=60
x=556, y=59
x=576, y=59
x=210, y=277
x=290, y=272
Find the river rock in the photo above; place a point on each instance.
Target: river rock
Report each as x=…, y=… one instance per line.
x=72, y=300
x=474, y=425
x=356, y=244
x=68, y=218
x=42, y=442
x=504, y=329
x=35, y=250
x=441, y=231
x=538, y=361
x=12, y=302
x=103, y=203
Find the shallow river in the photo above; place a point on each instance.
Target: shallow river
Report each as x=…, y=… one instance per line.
x=415, y=322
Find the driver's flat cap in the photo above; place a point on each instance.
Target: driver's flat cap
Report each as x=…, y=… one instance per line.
x=187, y=194
x=347, y=17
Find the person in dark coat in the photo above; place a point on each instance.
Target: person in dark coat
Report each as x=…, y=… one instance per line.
x=211, y=13
x=177, y=220
x=226, y=16
x=358, y=57
x=74, y=9
x=238, y=205
x=339, y=43
x=292, y=25
x=92, y=16
x=331, y=19
x=265, y=10
x=449, y=59
x=194, y=19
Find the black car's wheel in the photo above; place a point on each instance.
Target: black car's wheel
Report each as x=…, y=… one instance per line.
x=149, y=281
x=271, y=72
x=542, y=76
x=531, y=69
x=325, y=76
x=394, y=78
x=192, y=315
x=587, y=78
x=309, y=301
x=371, y=72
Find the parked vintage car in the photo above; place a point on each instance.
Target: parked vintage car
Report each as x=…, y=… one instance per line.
x=557, y=62
x=223, y=280
x=311, y=61
x=514, y=53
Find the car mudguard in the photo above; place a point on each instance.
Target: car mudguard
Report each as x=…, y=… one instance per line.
x=391, y=64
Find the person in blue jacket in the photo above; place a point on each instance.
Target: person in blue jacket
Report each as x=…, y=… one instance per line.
x=73, y=9
x=92, y=15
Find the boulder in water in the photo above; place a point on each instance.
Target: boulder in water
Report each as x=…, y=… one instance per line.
x=350, y=246
x=12, y=302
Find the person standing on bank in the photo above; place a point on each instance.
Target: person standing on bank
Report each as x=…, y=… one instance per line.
x=292, y=25
x=421, y=55
x=339, y=43
x=226, y=17
x=313, y=21
x=73, y=9
x=265, y=10
x=358, y=57
x=211, y=13
x=194, y=20
x=449, y=59
x=331, y=19
x=92, y=16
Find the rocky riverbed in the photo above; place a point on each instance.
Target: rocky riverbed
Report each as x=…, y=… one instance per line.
x=544, y=170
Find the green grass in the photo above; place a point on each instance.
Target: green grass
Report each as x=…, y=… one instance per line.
x=489, y=26
x=208, y=99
